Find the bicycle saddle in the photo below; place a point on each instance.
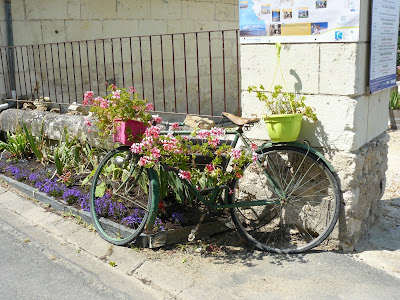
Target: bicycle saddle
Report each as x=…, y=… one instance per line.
x=239, y=121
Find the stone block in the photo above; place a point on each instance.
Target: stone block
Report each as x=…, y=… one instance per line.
x=177, y=26
x=378, y=114
x=340, y=71
x=300, y=67
x=204, y=11
x=150, y=27
x=17, y=10
x=27, y=32
x=74, y=9
x=83, y=30
x=134, y=10
x=92, y=10
x=53, y=31
x=42, y=9
x=166, y=10
x=224, y=12
x=120, y=28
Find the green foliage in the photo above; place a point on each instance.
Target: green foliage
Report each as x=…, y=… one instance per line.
x=16, y=144
x=37, y=144
x=66, y=154
x=394, y=101
x=284, y=103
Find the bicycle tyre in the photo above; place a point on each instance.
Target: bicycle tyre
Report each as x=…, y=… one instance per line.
x=296, y=221
x=119, y=206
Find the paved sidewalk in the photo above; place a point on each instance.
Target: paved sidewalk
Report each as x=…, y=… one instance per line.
x=176, y=275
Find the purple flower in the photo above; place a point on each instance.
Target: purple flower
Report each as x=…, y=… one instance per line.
x=51, y=187
x=178, y=217
x=17, y=173
x=72, y=195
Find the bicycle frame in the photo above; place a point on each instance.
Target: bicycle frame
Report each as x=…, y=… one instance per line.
x=215, y=191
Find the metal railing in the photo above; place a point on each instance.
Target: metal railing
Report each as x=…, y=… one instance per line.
x=188, y=73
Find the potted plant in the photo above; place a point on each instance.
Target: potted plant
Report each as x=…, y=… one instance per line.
x=286, y=110
x=121, y=113
x=394, y=109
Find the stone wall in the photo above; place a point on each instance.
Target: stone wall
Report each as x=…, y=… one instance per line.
x=362, y=178
x=352, y=122
x=58, y=21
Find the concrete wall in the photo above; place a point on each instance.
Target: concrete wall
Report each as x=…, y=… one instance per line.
x=58, y=21
x=351, y=126
x=45, y=21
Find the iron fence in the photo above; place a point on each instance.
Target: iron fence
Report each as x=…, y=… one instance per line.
x=188, y=73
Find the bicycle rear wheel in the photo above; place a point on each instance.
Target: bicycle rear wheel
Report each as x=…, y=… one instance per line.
x=302, y=200
x=120, y=197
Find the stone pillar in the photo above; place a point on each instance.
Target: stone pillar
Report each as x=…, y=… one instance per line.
x=352, y=123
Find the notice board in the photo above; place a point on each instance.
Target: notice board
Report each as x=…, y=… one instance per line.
x=272, y=21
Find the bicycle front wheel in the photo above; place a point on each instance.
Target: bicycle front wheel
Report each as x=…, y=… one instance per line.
x=298, y=200
x=120, y=197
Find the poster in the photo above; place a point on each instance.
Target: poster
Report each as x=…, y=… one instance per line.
x=384, y=33
x=271, y=21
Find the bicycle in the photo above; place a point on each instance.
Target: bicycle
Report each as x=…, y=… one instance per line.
x=295, y=209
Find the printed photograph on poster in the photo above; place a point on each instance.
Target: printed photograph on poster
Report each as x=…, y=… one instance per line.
x=244, y=5
x=303, y=12
x=274, y=29
x=265, y=9
x=276, y=15
x=300, y=20
x=320, y=4
x=287, y=13
x=319, y=28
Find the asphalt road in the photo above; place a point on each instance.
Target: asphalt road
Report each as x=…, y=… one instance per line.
x=32, y=267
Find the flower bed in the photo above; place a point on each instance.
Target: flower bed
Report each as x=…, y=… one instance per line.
x=172, y=215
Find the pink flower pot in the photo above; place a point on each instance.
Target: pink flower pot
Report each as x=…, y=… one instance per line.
x=128, y=132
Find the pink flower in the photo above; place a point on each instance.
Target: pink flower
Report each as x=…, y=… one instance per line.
x=175, y=126
x=148, y=142
x=145, y=161
x=236, y=153
x=149, y=106
x=103, y=102
x=217, y=131
x=89, y=94
x=213, y=141
x=132, y=89
x=203, y=134
x=113, y=86
x=136, y=148
x=87, y=97
x=184, y=175
x=210, y=167
x=152, y=131
x=87, y=122
x=253, y=146
x=155, y=152
x=238, y=175
x=254, y=157
x=157, y=119
x=116, y=94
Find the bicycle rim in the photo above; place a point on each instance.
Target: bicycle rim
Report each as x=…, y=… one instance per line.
x=120, y=197
x=302, y=201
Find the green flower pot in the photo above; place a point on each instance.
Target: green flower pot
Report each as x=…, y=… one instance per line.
x=283, y=128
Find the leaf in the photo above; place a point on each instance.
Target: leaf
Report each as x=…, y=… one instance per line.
x=100, y=190
x=86, y=180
